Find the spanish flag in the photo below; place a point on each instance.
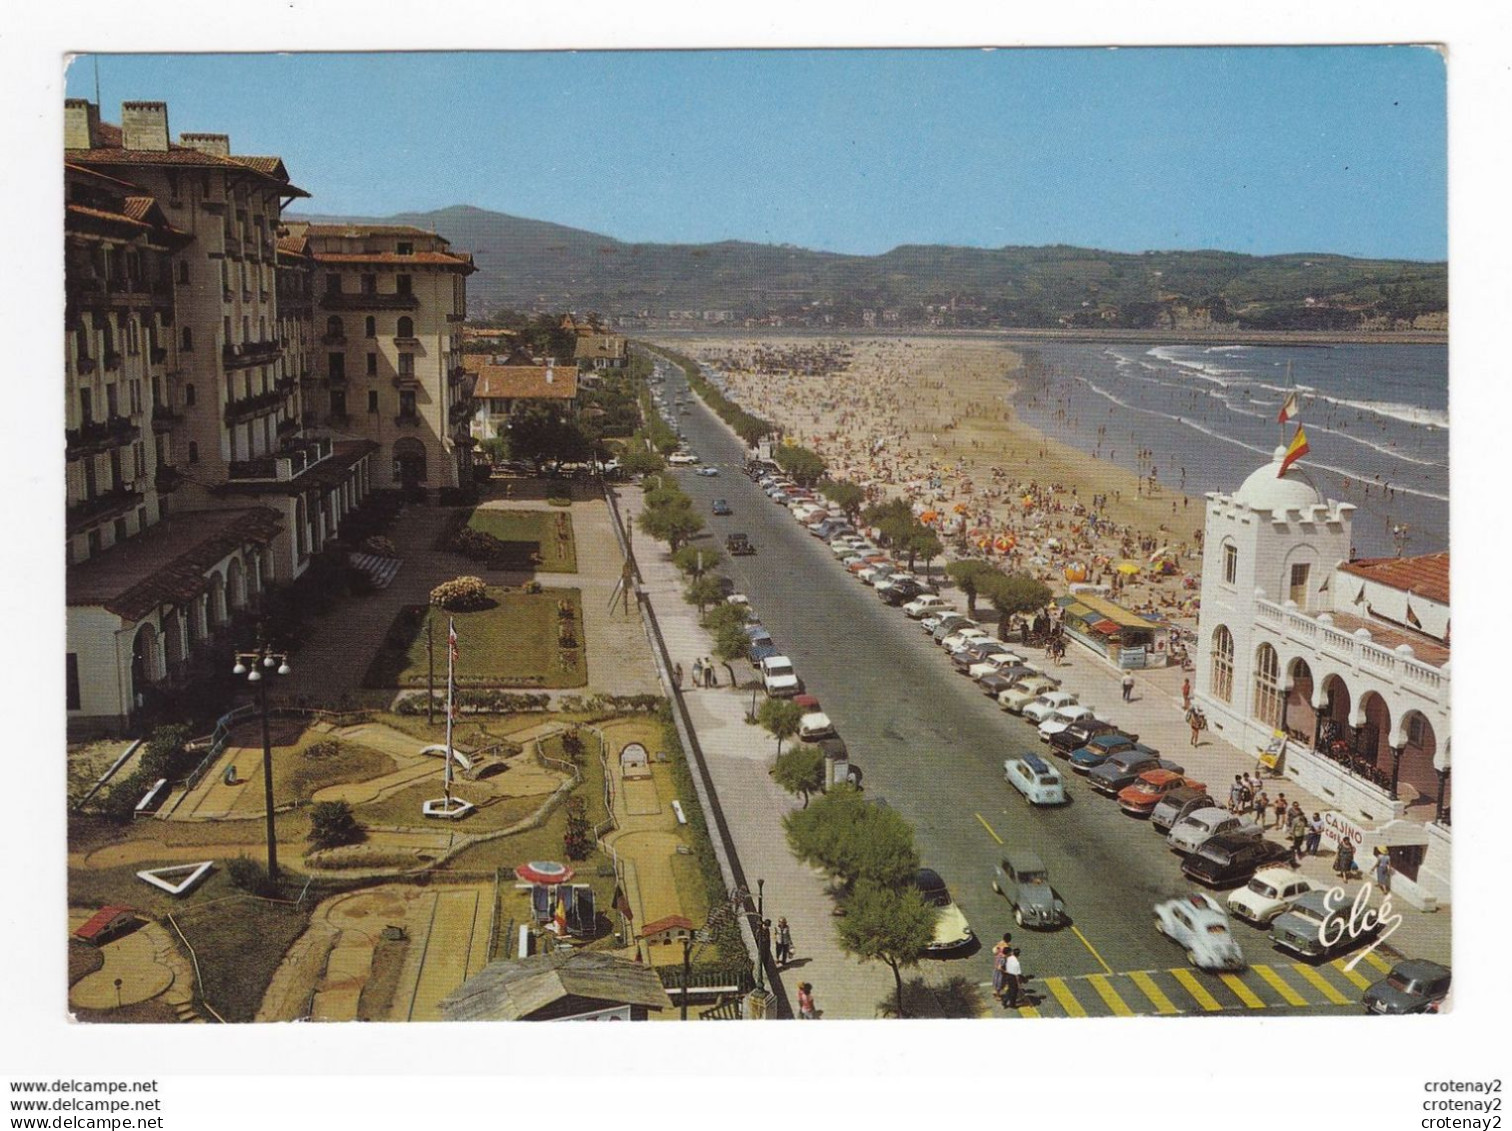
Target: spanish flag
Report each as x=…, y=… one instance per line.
x=1294, y=451
x=1288, y=410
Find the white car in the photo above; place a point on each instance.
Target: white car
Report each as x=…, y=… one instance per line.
x=779, y=678
x=875, y=573
x=993, y=663
x=1037, y=780
x=682, y=459
x=963, y=636
x=815, y=725
x=1039, y=709
x=708, y=472
x=926, y=605
x=1187, y=834
x=1062, y=717
x=950, y=617
x=1270, y=892
x=1197, y=923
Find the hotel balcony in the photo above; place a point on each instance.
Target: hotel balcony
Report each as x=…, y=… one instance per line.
x=353, y=300
x=1416, y=663
x=101, y=508
x=164, y=417
x=100, y=435
x=410, y=343
x=251, y=353
x=297, y=457
x=168, y=479
x=258, y=404
x=408, y=420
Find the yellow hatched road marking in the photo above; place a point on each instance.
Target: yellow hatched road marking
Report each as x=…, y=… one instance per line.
x=1322, y=983
x=1109, y=995
x=1378, y=962
x=988, y=827
x=1028, y=1011
x=1150, y=990
x=1196, y=989
x=1277, y=983
x=1062, y=992
x=1341, y=965
x=1241, y=991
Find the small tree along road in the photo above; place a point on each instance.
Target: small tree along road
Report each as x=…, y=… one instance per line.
x=800, y=770
x=781, y=717
x=888, y=924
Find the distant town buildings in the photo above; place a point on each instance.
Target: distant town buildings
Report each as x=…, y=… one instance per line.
x=234, y=387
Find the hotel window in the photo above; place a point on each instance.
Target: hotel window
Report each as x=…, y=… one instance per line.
x=406, y=404
x=403, y=283
x=189, y=394
x=1298, y=589
x=334, y=328
x=406, y=365
x=1230, y=563
x=75, y=699
x=406, y=249
x=183, y=271
x=1267, y=686
x=406, y=327
x=370, y=284
x=372, y=400
x=372, y=365
x=333, y=284
x=370, y=327
x=193, y=452
x=338, y=402
x=86, y=406
x=1223, y=665
x=188, y=339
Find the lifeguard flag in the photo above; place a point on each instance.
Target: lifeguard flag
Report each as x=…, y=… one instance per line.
x=1294, y=451
x=1288, y=410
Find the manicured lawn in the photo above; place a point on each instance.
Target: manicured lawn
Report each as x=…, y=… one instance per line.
x=314, y=763
x=515, y=643
x=550, y=530
x=239, y=944
x=403, y=806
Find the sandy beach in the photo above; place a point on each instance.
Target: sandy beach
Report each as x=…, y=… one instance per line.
x=932, y=420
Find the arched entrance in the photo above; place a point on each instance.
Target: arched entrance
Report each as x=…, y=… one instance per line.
x=1299, y=718
x=409, y=461
x=1222, y=660
x=1417, y=780
x=236, y=585
x=1373, y=740
x=217, y=601
x=173, y=641
x=145, y=669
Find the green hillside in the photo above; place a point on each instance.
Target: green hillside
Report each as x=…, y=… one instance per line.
x=533, y=265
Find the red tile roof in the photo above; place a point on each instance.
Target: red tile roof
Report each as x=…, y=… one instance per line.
x=1426, y=575
x=669, y=923
x=356, y=230
x=100, y=920
x=166, y=565
x=391, y=259
x=516, y=382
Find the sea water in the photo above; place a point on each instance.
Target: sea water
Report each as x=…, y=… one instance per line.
x=1201, y=417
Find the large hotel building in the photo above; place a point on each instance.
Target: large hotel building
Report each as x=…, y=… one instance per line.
x=234, y=386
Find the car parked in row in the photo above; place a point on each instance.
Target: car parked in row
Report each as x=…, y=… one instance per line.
x=1003, y=679
x=1269, y=893
x=952, y=932
x=1413, y=986
x=1176, y=805
x=950, y=625
x=1040, y=708
x=1124, y=768
x=1028, y=691
x=778, y=677
x=1062, y=717
x=1188, y=834
x=1317, y=926
x=1139, y=797
x=1081, y=732
x=926, y=604
x=1098, y=750
x=1231, y=858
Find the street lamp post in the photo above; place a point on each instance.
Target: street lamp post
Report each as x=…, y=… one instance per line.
x=253, y=665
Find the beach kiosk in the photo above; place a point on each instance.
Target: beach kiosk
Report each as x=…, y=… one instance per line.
x=1121, y=636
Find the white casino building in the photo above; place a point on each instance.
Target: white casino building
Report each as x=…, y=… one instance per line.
x=1349, y=658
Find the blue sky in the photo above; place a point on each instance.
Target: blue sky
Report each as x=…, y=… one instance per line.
x=1259, y=150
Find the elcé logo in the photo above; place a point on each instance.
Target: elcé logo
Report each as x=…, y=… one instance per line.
x=1362, y=919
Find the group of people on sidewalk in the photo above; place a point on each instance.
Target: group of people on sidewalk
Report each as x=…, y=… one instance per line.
x=1008, y=975
x=704, y=673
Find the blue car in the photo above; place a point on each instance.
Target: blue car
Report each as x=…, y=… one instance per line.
x=760, y=649
x=722, y=507
x=1099, y=750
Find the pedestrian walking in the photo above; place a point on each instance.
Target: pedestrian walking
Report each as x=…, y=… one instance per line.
x=1251, y=787
x=677, y=675
x=1197, y=723
x=1013, y=978
x=711, y=678
x=1186, y=694
x=1128, y=687
x=1236, y=791
x=1344, y=859
x=1279, y=808
x=1298, y=830
x=1000, y=966
x=1314, y=835
x=806, y=1011
x=1383, y=870
x=784, y=942
x=698, y=676
x=1259, y=807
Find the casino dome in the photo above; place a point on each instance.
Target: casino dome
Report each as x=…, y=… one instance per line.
x=1265, y=490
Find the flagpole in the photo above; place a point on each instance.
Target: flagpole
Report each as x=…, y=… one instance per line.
x=451, y=684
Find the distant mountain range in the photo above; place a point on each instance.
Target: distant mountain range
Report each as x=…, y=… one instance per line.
x=535, y=265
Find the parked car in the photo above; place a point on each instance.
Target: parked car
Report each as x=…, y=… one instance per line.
x=1124, y=767
x=1198, y=924
x=739, y=545
x=1023, y=879
x=1269, y=892
x=778, y=677
x=968, y=656
x=1040, y=708
x=950, y=626
x=1015, y=699
x=1232, y=858
x=1036, y=779
x=721, y=506
x=961, y=637
x=1140, y=796
x=1315, y=926
x=1413, y=986
x=1176, y=805
x=898, y=590
x=925, y=604
x=1006, y=678
x=1081, y=732
x=1062, y=717
x=814, y=726
x=994, y=661
x=879, y=571
x=1188, y=833
x=931, y=621
x=1100, y=749
x=952, y=932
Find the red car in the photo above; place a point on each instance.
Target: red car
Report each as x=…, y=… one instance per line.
x=866, y=562
x=1140, y=799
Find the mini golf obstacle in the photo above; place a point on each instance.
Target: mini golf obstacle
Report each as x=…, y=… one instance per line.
x=185, y=876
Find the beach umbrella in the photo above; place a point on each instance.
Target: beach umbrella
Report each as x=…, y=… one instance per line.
x=961, y=508
x=929, y=516
x=1128, y=568
x=544, y=872
x=1076, y=571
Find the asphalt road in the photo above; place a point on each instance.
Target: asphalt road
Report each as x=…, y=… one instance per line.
x=931, y=744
